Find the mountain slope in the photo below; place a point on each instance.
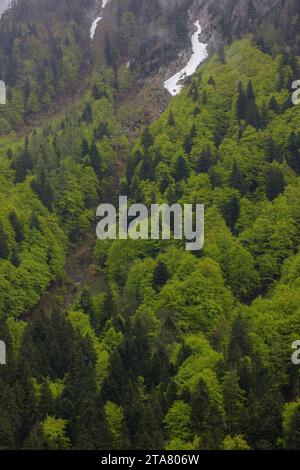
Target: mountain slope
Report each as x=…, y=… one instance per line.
x=43, y=48
x=274, y=23
x=161, y=348
x=182, y=351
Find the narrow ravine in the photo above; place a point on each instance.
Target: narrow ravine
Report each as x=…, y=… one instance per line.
x=94, y=27
x=97, y=20
x=79, y=273
x=174, y=84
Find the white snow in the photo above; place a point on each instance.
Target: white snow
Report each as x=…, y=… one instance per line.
x=96, y=21
x=94, y=27
x=199, y=55
x=2, y=92
x=4, y=5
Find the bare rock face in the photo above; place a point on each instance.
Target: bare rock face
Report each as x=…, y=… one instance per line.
x=268, y=20
x=256, y=7
x=252, y=10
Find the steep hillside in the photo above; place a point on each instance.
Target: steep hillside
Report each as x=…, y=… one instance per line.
x=46, y=53
x=182, y=351
x=48, y=49
x=43, y=47
x=159, y=348
x=274, y=23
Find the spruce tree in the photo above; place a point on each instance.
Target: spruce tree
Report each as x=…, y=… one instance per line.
x=252, y=111
x=189, y=140
x=241, y=102
x=274, y=183
x=207, y=416
x=181, y=169
x=85, y=148
x=46, y=403
x=161, y=275
x=96, y=159
x=211, y=81
x=264, y=118
x=15, y=258
x=146, y=170
x=147, y=139
x=205, y=161
x=231, y=211
x=292, y=428
x=4, y=250
x=271, y=151
x=35, y=440
x=234, y=401
x=87, y=114
x=237, y=179
x=293, y=158
x=239, y=344
x=171, y=119
x=273, y=105
x=17, y=226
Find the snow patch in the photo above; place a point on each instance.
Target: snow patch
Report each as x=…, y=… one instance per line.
x=4, y=5
x=94, y=27
x=198, y=56
x=96, y=20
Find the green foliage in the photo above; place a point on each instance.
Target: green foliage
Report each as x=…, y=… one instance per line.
x=55, y=433
x=235, y=443
x=178, y=421
x=46, y=53
x=114, y=416
x=179, y=350
x=291, y=416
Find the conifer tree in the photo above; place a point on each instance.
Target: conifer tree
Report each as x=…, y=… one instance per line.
x=96, y=159
x=231, y=211
x=241, y=102
x=181, y=169
x=234, y=401
x=252, y=111
x=293, y=159
x=17, y=226
x=147, y=139
x=264, y=118
x=85, y=148
x=85, y=302
x=205, y=161
x=240, y=344
x=291, y=425
x=4, y=250
x=161, y=275
x=273, y=105
x=171, y=119
x=274, y=183
x=87, y=114
x=237, y=179
x=46, y=404
x=207, y=416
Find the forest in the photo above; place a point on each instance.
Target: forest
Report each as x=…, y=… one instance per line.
x=160, y=348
